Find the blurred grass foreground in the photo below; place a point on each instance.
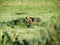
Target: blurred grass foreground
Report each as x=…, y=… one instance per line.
x=29, y=22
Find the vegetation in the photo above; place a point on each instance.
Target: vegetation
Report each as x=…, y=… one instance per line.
x=44, y=29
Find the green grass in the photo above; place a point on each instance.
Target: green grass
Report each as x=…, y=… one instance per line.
x=48, y=12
